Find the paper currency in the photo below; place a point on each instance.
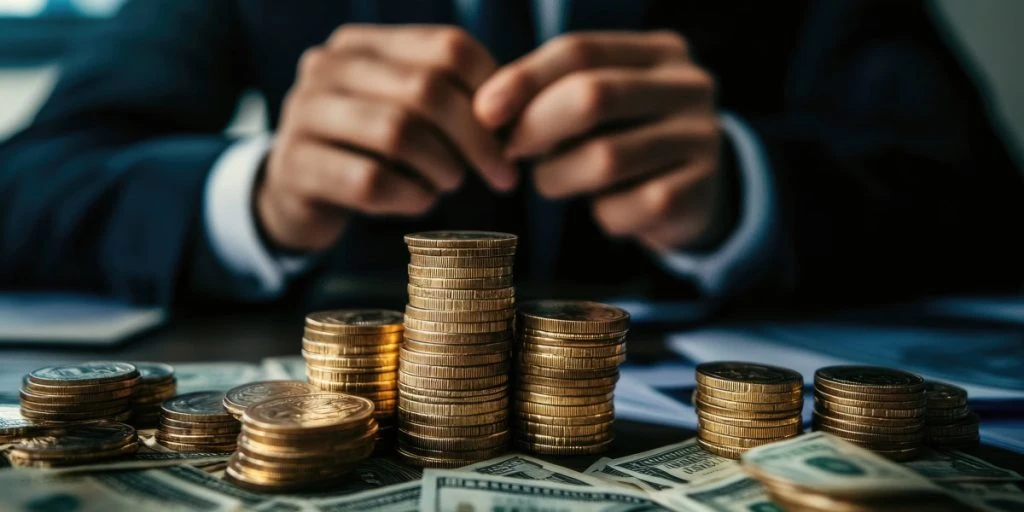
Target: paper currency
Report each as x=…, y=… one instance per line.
x=951, y=465
x=529, y=468
x=393, y=498
x=995, y=501
x=448, y=490
x=194, y=377
x=145, y=458
x=602, y=469
x=287, y=368
x=673, y=465
x=981, y=488
x=734, y=493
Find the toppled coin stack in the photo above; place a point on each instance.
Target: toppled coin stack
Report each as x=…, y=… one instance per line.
x=454, y=366
x=99, y=390
x=567, y=363
x=744, y=405
x=355, y=352
x=239, y=398
x=302, y=442
x=158, y=384
x=197, y=422
x=949, y=422
x=880, y=409
x=70, y=445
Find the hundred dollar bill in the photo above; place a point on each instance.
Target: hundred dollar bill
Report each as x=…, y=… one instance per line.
x=286, y=368
x=214, y=376
x=951, y=465
x=734, y=493
x=450, y=491
x=982, y=488
x=145, y=458
x=529, y=468
x=673, y=465
x=602, y=470
x=393, y=498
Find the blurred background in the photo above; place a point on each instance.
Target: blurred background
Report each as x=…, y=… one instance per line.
x=33, y=34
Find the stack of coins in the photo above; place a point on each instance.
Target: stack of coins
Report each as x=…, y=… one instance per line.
x=239, y=398
x=949, y=421
x=71, y=393
x=355, y=352
x=302, y=442
x=158, y=384
x=197, y=422
x=454, y=366
x=69, y=445
x=744, y=405
x=880, y=409
x=567, y=362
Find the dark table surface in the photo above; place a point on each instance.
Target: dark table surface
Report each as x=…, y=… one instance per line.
x=250, y=338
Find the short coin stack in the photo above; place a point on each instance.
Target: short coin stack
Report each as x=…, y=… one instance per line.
x=302, y=442
x=356, y=352
x=567, y=359
x=949, y=420
x=99, y=390
x=745, y=405
x=880, y=409
x=197, y=422
x=454, y=365
x=69, y=445
x=158, y=384
x=239, y=398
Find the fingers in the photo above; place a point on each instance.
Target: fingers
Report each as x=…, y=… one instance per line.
x=583, y=101
x=504, y=95
x=611, y=160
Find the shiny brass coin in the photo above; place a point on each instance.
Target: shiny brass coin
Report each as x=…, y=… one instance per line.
x=414, y=460
x=565, y=373
x=459, y=272
x=470, y=252
x=29, y=395
x=72, y=439
x=454, y=372
x=84, y=374
x=423, y=260
x=79, y=389
x=239, y=477
x=968, y=425
x=462, y=305
x=351, y=362
x=379, y=397
x=792, y=421
x=331, y=374
x=341, y=349
x=570, y=401
x=423, y=430
x=430, y=315
x=854, y=426
x=573, y=316
x=505, y=292
x=503, y=347
x=481, y=283
x=566, y=421
x=33, y=450
x=458, y=338
x=936, y=415
x=871, y=437
x=186, y=447
x=787, y=397
x=448, y=396
x=453, y=409
x=353, y=340
x=163, y=435
x=737, y=442
x=571, y=363
x=870, y=420
x=154, y=398
x=451, y=421
x=915, y=404
x=327, y=449
x=944, y=396
x=561, y=430
x=744, y=415
x=295, y=470
x=546, y=449
x=869, y=379
x=356, y=321
x=750, y=432
x=455, y=444
x=793, y=407
x=461, y=239
x=575, y=352
x=870, y=397
x=357, y=388
x=901, y=455
x=743, y=377
x=154, y=373
x=228, y=421
x=596, y=382
x=565, y=392
x=220, y=430
x=469, y=360
x=575, y=440
x=17, y=459
x=728, y=452
x=563, y=411
x=876, y=412
x=451, y=384
x=103, y=414
x=118, y=404
x=555, y=338
x=470, y=400
x=315, y=412
x=300, y=441
x=459, y=327
x=199, y=406
x=240, y=397
x=480, y=454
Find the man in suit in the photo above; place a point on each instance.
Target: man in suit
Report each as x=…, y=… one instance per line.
x=803, y=149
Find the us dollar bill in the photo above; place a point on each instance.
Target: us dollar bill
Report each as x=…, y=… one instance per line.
x=450, y=491
x=145, y=458
x=995, y=501
x=982, y=488
x=528, y=468
x=284, y=368
x=393, y=498
x=951, y=465
x=601, y=469
x=215, y=376
x=735, y=492
x=673, y=465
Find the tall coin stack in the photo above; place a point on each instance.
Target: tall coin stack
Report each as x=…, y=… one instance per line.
x=880, y=409
x=568, y=360
x=197, y=422
x=744, y=405
x=454, y=366
x=302, y=442
x=949, y=420
x=355, y=351
x=158, y=384
x=99, y=390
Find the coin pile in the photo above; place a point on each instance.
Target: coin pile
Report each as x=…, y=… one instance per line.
x=454, y=366
x=880, y=409
x=158, y=384
x=197, y=422
x=567, y=363
x=302, y=442
x=239, y=398
x=949, y=420
x=744, y=405
x=69, y=445
x=100, y=390
x=355, y=352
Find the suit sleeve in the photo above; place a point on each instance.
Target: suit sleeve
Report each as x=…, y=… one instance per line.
x=890, y=176
x=103, y=191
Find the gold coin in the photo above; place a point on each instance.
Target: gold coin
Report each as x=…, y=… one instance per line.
x=70, y=389
x=455, y=444
x=563, y=411
x=742, y=377
x=479, y=454
x=357, y=388
x=454, y=359
x=84, y=374
x=447, y=396
x=566, y=373
x=379, y=396
x=965, y=426
x=352, y=362
x=452, y=384
x=459, y=272
x=741, y=414
x=571, y=363
x=567, y=421
x=877, y=412
x=238, y=398
x=461, y=239
x=562, y=430
x=596, y=382
x=526, y=387
x=722, y=451
x=835, y=422
x=944, y=396
x=459, y=327
x=869, y=397
x=576, y=440
x=29, y=395
x=315, y=412
x=154, y=398
x=105, y=414
x=228, y=421
x=792, y=406
x=738, y=442
x=163, y=435
x=869, y=379
x=356, y=321
x=291, y=442
x=793, y=421
x=575, y=352
x=291, y=469
x=118, y=404
x=870, y=420
x=540, y=398
x=454, y=372
x=503, y=347
x=17, y=459
x=177, y=431
x=871, y=437
x=454, y=252
x=546, y=449
x=902, y=454
x=458, y=338
x=352, y=340
x=335, y=374
x=414, y=460
x=481, y=283
x=197, y=407
x=72, y=439
x=462, y=304
x=453, y=409
x=423, y=260
x=936, y=415
x=916, y=404
x=505, y=292
x=186, y=447
x=787, y=397
x=573, y=316
x=421, y=429
x=556, y=338
x=451, y=421
x=430, y=315
x=749, y=432
x=341, y=349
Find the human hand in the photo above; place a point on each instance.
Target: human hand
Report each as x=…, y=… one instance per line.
x=625, y=117
x=379, y=122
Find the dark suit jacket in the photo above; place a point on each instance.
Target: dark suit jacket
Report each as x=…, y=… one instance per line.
x=891, y=178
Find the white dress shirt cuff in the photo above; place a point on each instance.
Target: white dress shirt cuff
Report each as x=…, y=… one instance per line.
x=231, y=229
x=741, y=258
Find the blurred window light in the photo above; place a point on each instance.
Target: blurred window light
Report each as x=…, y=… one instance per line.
x=25, y=8
x=97, y=8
